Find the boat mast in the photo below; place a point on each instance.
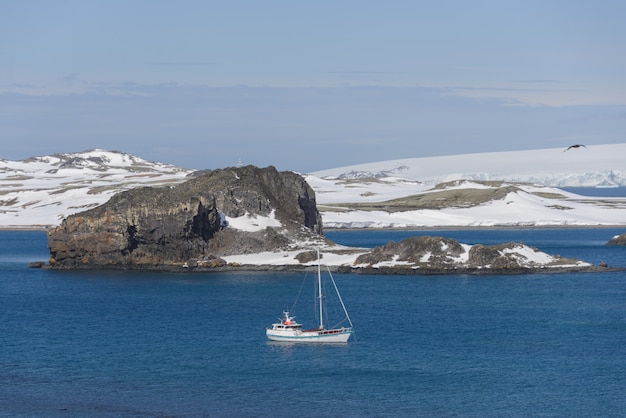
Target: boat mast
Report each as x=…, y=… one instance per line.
x=345, y=311
x=319, y=288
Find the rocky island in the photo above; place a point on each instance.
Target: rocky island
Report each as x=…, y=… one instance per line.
x=250, y=218
x=215, y=213
x=619, y=240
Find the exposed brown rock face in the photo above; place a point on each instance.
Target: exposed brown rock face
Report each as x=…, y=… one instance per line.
x=493, y=256
x=148, y=227
x=446, y=254
x=432, y=251
x=618, y=240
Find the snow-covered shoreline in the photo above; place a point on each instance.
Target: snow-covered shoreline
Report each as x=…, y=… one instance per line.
x=44, y=228
x=40, y=192
x=385, y=270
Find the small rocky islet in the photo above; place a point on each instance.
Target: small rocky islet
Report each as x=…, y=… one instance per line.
x=618, y=240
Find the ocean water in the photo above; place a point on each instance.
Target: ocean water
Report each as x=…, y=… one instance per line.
x=157, y=344
x=597, y=191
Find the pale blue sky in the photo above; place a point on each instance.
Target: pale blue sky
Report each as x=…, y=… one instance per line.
x=309, y=85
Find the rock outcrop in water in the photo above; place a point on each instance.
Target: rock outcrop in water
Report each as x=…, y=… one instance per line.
x=429, y=254
x=163, y=226
x=618, y=240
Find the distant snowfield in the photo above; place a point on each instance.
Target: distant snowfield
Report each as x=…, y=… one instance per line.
x=42, y=191
x=593, y=166
x=531, y=205
x=540, y=171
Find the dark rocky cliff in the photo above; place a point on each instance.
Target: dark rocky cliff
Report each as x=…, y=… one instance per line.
x=150, y=227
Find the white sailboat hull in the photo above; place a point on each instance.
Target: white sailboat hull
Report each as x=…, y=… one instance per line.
x=340, y=335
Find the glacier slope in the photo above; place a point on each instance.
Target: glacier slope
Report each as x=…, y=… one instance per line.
x=593, y=166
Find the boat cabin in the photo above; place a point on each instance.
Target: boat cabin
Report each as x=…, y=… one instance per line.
x=287, y=322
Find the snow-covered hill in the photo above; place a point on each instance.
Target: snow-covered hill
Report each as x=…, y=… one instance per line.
x=41, y=191
x=455, y=204
x=593, y=166
x=531, y=180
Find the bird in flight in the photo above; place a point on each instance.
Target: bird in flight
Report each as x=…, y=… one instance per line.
x=574, y=146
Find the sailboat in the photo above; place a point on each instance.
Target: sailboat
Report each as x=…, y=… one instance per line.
x=289, y=330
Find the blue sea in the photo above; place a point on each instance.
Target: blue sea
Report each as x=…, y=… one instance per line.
x=129, y=344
